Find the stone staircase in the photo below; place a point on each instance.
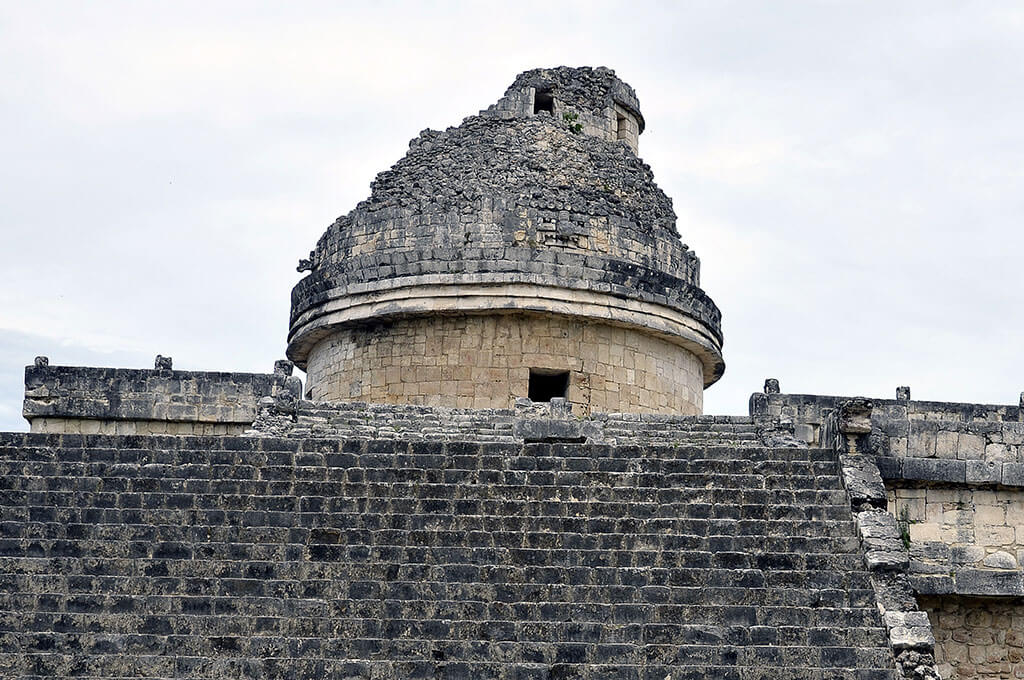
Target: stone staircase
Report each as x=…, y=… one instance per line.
x=235, y=557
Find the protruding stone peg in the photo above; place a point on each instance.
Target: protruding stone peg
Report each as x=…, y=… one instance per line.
x=45, y=361
x=283, y=367
x=771, y=386
x=307, y=265
x=903, y=393
x=162, y=363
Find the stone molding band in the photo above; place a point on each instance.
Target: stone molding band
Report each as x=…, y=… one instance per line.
x=416, y=298
x=612, y=276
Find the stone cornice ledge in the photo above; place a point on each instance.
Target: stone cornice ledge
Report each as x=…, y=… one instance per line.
x=971, y=582
x=949, y=471
x=670, y=324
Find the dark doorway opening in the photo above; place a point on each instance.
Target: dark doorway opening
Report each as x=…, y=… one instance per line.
x=543, y=101
x=546, y=385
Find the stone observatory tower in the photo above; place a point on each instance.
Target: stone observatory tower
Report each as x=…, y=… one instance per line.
x=525, y=253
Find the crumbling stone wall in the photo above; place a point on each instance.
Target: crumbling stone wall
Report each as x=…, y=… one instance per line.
x=485, y=362
x=85, y=400
x=915, y=429
x=513, y=211
x=977, y=638
x=600, y=103
x=954, y=473
x=954, y=487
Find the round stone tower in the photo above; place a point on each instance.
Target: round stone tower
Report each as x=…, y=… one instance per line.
x=525, y=253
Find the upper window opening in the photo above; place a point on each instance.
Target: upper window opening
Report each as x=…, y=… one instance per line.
x=543, y=101
x=546, y=385
x=621, y=129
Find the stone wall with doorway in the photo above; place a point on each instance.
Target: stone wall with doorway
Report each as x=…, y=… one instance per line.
x=485, y=362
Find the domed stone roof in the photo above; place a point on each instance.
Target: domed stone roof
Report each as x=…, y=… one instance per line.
x=537, y=204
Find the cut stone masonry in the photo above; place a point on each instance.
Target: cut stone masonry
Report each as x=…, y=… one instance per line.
x=515, y=228
x=80, y=400
x=500, y=469
x=946, y=483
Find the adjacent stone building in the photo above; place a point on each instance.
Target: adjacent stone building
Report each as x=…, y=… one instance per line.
x=499, y=467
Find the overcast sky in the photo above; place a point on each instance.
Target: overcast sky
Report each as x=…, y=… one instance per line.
x=850, y=173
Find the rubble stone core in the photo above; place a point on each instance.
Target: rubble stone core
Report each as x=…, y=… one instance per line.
x=538, y=206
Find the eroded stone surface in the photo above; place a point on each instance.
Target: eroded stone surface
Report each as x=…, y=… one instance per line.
x=513, y=211
x=391, y=559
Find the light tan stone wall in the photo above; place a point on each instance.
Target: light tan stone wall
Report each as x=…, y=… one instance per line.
x=977, y=638
x=984, y=527
x=484, y=362
x=86, y=426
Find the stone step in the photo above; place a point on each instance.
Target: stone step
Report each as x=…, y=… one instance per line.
x=748, y=566
x=415, y=640
x=457, y=582
x=607, y=601
x=326, y=453
x=134, y=448
x=318, y=620
x=458, y=500
x=48, y=665
x=416, y=464
x=472, y=530
x=351, y=529
x=607, y=585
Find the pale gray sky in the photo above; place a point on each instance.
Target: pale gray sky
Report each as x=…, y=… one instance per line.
x=850, y=173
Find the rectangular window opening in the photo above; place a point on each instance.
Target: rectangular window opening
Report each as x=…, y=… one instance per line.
x=546, y=384
x=543, y=101
x=621, y=131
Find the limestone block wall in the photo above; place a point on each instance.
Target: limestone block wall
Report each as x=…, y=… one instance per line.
x=485, y=362
x=981, y=528
x=109, y=426
x=977, y=638
x=917, y=429
x=87, y=400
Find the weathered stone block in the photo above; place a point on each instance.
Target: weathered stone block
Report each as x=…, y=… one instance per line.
x=1000, y=560
x=934, y=470
x=983, y=472
x=970, y=446
x=1012, y=474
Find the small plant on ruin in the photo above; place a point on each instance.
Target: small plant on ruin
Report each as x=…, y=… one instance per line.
x=572, y=120
x=903, y=522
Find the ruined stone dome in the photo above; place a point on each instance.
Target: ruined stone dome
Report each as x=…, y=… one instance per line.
x=538, y=205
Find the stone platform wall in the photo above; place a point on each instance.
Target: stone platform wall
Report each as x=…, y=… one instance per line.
x=963, y=526
x=954, y=480
x=954, y=473
x=85, y=400
x=976, y=638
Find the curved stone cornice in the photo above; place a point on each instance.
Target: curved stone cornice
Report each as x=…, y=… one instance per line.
x=438, y=297
x=571, y=271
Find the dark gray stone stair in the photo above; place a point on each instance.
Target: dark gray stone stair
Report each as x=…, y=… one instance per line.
x=207, y=557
